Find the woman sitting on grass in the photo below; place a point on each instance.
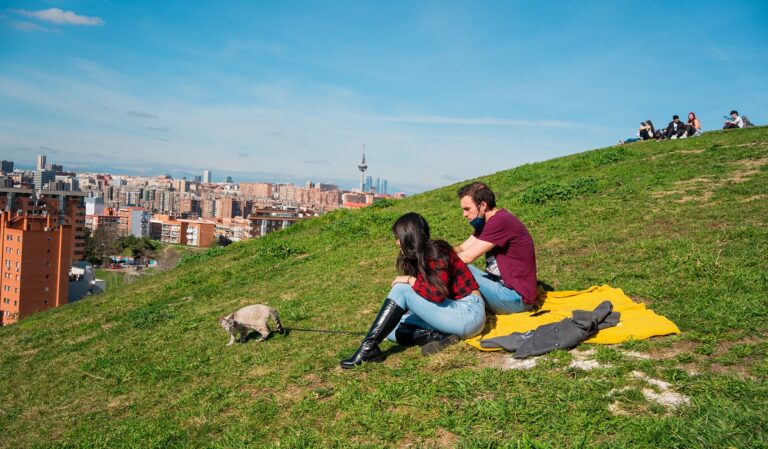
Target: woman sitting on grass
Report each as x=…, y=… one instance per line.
x=435, y=286
x=693, y=127
x=646, y=131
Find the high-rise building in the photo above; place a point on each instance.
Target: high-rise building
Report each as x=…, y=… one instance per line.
x=225, y=208
x=206, y=176
x=257, y=189
x=6, y=166
x=181, y=185
x=94, y=206
x=368, y=184
x=378, y=186
x=34, y=262
x=40, y=162
x=384, y=186
x=43, y=177
x=67, y=207
x=133, y=221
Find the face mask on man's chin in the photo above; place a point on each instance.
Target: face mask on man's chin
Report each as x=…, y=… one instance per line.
x=478, y=222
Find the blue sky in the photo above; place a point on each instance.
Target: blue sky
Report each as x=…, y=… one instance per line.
x=439, y=91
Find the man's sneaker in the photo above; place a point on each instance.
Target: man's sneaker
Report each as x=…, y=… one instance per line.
x=433, y=347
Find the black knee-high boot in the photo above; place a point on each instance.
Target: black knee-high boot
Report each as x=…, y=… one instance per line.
x=388, y=318
x=408, y=334
x=431, y=341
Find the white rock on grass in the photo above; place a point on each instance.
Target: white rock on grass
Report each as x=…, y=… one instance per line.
x=665, y=396
x=668, y=399
x=520, y=364
x=582, y=360
x=587, y=365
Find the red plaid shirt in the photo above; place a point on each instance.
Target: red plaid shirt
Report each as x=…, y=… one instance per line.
x=455, y=275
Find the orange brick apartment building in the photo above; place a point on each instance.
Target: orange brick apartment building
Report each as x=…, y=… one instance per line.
x=167, y=229
x=50, y=202
x=34, y=264
x=38, y=243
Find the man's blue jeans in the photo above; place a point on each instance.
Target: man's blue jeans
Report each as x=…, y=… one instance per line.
x=498, y=298
x=464, y=317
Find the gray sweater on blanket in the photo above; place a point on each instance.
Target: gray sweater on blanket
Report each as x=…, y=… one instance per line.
x=564, y=334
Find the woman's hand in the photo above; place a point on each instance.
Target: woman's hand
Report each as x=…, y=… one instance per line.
x=404, y=280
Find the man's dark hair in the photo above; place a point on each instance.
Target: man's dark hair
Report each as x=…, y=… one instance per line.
x=675, y=117
x=479, y=192
x=735, y=112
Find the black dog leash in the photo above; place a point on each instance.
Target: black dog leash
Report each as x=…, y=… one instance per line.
x=327, y=331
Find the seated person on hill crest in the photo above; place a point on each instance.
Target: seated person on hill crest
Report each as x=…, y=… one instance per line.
x=646, y=131
x=693, y=127
x=509, y=282
x=734, y=122
x=675, y=129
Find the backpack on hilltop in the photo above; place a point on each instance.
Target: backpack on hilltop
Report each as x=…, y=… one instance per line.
x=747, y=123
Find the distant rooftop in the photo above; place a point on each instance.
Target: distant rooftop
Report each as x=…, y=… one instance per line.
x=44, y=192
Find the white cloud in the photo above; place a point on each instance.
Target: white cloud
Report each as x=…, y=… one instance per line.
x=294, y=134
x=60, y=17
x=474, y=121
x=27, y=26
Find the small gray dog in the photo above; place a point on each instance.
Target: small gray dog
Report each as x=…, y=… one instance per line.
x=253, y=317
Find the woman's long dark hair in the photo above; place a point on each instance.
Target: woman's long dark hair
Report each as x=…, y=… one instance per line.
x=416, y=249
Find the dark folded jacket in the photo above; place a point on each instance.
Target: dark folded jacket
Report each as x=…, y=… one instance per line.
x=564, y=334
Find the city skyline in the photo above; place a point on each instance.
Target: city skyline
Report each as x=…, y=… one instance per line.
x=273, y=91
x=190, y=175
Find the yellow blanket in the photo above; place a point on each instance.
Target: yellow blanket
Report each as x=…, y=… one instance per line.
x=637, y=322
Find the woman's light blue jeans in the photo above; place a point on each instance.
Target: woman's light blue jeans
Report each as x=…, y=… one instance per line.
x=498, y=298
x=464, y=317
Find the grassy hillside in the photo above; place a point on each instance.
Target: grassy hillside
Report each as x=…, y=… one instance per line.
x=679, y=225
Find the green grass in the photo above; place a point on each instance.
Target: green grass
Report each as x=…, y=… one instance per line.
x=680, y=225
x=114, y=279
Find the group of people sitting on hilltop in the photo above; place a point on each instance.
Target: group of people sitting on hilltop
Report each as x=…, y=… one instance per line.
x=439, y=298
x=676, y=129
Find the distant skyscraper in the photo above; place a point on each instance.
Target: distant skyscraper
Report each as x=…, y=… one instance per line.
x=362, y=166
x=6, y=166
x=40, y=162
x=43, y=177
x=206, y=176
x=384, y=186
x=378, y=185
x=368, y=184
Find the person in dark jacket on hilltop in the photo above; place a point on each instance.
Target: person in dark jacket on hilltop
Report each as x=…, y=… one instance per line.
x=508, y=283
x=675, y=129
x=434, y=302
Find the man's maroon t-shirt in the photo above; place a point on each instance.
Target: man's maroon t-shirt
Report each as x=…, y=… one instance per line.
x=514, y=253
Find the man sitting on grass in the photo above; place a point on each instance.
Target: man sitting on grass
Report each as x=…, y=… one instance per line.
x=675, y=129
x=508, y=284
x=734, y=122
